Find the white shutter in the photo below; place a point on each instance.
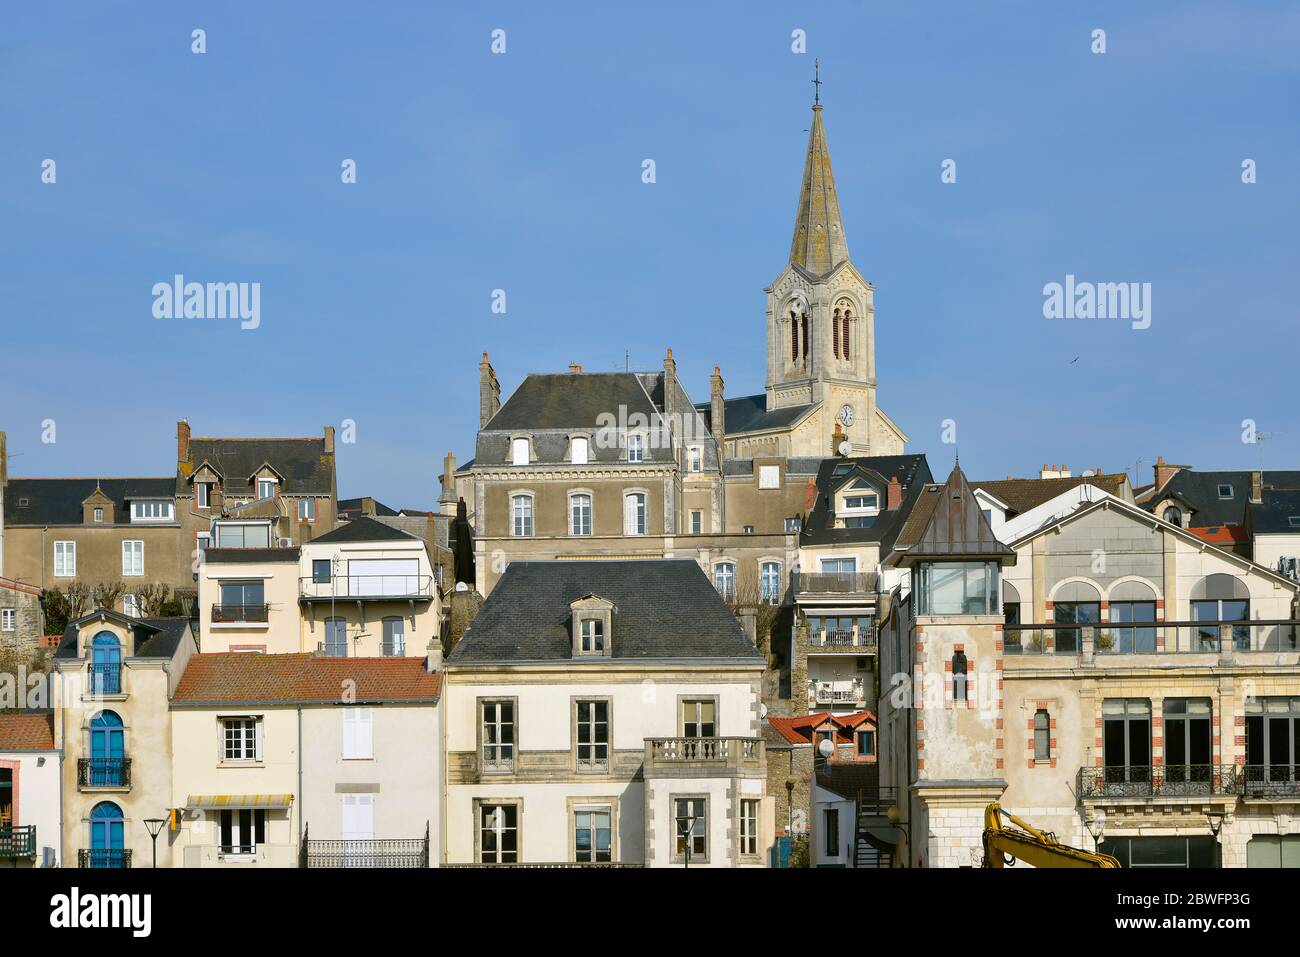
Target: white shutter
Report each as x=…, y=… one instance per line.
x=358, y=814
x=349, y=734
x=365, y=733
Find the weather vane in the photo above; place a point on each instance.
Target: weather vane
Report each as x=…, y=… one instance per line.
x=817, y=82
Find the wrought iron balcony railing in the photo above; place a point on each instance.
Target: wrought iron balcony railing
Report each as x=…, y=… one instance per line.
x=17, y=842
x=826, y=695
x=387, y=853
x=1264, y=782
x=105, y=678
x=103, y=773
x=239, y=614
x=1172, y=781
x=103, y=857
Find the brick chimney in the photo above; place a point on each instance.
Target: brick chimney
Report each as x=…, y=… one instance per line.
x=575, y=368
x=1165, y=471
x=718, y=407
x=809, y=495
x=329, y=440
x=489, y=392
x=894, y=494
x=1257, y=487
x=837, y=438
x=183, y=444
x=433, y=660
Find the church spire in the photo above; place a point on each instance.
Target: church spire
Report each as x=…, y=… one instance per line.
x=819, y=244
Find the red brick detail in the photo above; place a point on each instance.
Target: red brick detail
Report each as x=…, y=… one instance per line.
x=997, y=645
x=1031, y=763
x=999, y=724
x=920, y=764
x=1053, y=762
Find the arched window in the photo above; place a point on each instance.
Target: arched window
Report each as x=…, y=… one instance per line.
x=580, y=514
x=107, y=765
x=1075, y=603
x=846, y=326
x=958, y=676
x=835, y=326
x=634, y=514
x=105, y=664
x=519, y=452
x=1174, y=515
x=724, y=579
x=521, y=516
x=794, y=335
x=107, y=836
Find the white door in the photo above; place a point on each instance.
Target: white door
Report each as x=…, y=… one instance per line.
x=358, y=829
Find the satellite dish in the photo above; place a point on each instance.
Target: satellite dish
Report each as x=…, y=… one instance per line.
x=845, y=448
x=461, y=586
x=762, y=711
x=825, y=748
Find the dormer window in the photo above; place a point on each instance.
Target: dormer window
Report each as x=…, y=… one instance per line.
x=159, y=510
x=635, y=448
x=592, y=641
x=266, y=488
x=578, y=449
x=858, y=505
x=593, y=618
x=202, y=495
x=99, y=516
x=695, y=458
x=1174, y=516
x=519, y=452
x=1225, y=491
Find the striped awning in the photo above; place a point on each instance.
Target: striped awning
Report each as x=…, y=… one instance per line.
x=197, y=801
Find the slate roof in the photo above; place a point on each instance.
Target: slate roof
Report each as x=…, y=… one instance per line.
x=1021, y=494
x=240, y=678
x=569, y=400
x=251, y=556
x=349, y=505
x=1273, y=515
x=57, y=501
x=663, y=609
x=154, y=637
x=26, y=731
x=847, y=778
x=1201, y=490
x=748, y=413
x=303, y=464
x=913, y=471
x=365, y=529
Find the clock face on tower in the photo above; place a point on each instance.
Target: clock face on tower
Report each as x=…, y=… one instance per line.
x=846, y=414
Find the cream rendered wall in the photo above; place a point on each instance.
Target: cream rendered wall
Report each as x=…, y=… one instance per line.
x=37, y=795
x=198, y=770
x=148, y=743
x=824, y=800
x=404, y=776
x=1269, y=548
x=280, y=635
x=723, y=795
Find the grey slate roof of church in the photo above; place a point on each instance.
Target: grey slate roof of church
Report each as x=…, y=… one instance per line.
x=303, y=463
x=749, y=413
x=663, y=609
x=57, y=501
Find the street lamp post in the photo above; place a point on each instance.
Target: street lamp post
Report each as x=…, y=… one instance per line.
x=1215, y=819
x=155, y=826
x=1096, y=827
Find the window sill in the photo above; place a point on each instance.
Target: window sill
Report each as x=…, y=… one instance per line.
x=256, y=625
x=116, y=696
x=240, y=764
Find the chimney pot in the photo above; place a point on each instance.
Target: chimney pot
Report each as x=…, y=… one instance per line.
x=183, y=441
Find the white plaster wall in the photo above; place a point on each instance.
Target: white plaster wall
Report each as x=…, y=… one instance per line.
x=38, y=798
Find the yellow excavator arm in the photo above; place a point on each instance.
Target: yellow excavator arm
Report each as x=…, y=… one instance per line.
x=1026, y=843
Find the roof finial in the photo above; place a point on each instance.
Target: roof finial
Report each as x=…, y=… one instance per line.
x=817, y=82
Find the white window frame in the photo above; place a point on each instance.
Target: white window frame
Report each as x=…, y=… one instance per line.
x=522, y=525
x=8, y=619
x=241, y=739
x=132, y=549
x=153, y=510
x=130, y=606
x=575, y=527
x=697, y=521
x=202, y=495
x=635, y=447
x=579, y=450
x=769, y=476
x=307, y=508
x=592, y=637
x=775, y=594
x=749, y=814
x=65, y=559
x=520, y=451
x=636, y=513
x=358, y=734
x=270, y=483
x=98, y=516
x=695, y=458
x=727, y=590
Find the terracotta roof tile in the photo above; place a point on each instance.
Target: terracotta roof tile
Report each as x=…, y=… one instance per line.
x=303, y=679
x=799, y=729
x=26, y=731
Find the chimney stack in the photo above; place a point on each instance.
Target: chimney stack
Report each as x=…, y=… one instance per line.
x=809, y=495
x=894, y=495
x=489, y=393
x=4, y=461
x=433, y=661
x=1165, y=471
x=447, y=500
x=718, y=408
x=183, y=445
x=1257, y=487
x=329, y=440
x=575, y=368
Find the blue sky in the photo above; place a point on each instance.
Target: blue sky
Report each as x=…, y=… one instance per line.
x=522, y=172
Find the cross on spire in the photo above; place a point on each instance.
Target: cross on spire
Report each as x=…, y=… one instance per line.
x=817, y=82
